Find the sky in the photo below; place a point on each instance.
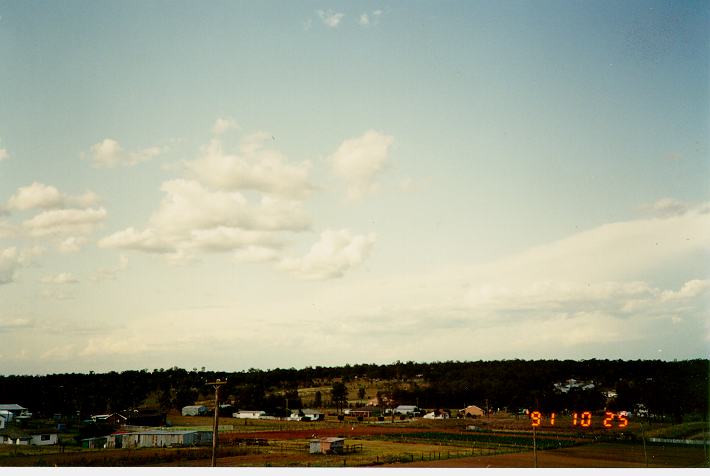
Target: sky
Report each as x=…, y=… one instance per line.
x=237, y=185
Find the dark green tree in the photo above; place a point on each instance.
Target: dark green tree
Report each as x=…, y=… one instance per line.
x=339, y=395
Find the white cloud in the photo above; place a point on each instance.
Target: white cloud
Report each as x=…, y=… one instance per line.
x=260, y=169
x=70, y=221
x=131, y=239
x=72, y=244
x=336, y=252
x=192, y=217
x=188, y=205
x=39, y=195
x=11, y=259
x=367, y=19
x=667, y=207
x=9, y=262
x=109, y=153
x=330, y=18
x=61, y=278
x=690, y=289
x=224, y=124
x=358, y=161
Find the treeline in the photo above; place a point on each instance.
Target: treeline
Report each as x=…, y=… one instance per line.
x=667, y=389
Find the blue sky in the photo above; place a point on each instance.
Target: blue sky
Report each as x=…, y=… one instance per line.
x=327, y=182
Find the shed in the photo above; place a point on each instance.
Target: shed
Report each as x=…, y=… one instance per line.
x=195, y=410
x=329, y=445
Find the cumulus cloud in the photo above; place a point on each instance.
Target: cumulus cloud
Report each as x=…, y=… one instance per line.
x=70, y=221
x=330, y=18
x=358, y=161
x=39, y=195
x=192, y=217
x=336, y=252
x=257, y=168
x=132, y=239
x=109, y=153
x=224, y=124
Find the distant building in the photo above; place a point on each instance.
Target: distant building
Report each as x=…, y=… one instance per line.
x=114, y=419
x=157, y=439
x=330, y=445
x=33, y=438
x=436, y=415
x=195, y=410
x=249, y=414
x=13, y=410
x=312, y=415
x=408, y=410
x=471, y=411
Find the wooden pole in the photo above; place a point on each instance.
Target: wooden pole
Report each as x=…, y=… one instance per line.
x=215, y=428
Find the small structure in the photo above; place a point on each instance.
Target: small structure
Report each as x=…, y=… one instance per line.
x=408, y=410
x=195, y=410
x=34, y=438
x=436, y=415
x=94, y=443
x=471, y=411
x=159, y=439
x=312, y=415
x=329, y=445
x=250, y=414
x=115, y=419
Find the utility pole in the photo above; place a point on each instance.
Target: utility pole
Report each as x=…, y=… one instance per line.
x=215, y=428
x=534, y=449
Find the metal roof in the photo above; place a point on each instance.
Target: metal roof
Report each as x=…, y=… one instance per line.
x=11, y=406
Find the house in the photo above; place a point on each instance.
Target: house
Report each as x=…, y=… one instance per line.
x=471, y=411
x=330, y=445
x=436, y=415
x=312, y=415
x=249, y=414
x=13, y=410
x=34, y=438
x=158, y=439
x=195, y=410
x=113, y=419
x=408, y=410
x=3, y=421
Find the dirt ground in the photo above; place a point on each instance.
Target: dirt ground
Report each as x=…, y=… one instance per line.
x=600, y=455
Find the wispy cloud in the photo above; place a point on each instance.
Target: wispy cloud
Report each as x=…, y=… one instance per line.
x=330, y=18
x=109, y=153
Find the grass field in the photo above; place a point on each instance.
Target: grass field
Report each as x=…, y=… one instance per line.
x=499, y=441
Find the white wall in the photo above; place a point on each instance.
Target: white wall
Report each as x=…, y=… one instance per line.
x=37, y=439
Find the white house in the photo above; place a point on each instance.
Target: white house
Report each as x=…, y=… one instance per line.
x=249, y=414
x=35, y=439
x=409, y=410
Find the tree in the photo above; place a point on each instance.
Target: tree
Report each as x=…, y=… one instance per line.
x=339, y=395
x=361, y=393
x=318, y=399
